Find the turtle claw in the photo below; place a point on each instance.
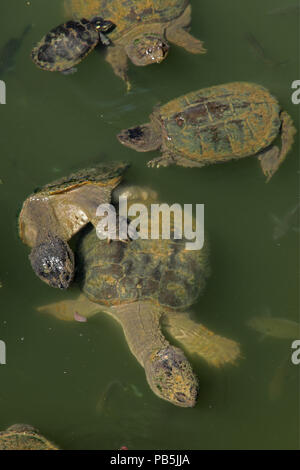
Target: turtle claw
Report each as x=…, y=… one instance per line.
x=155, y=163
x=160, y=162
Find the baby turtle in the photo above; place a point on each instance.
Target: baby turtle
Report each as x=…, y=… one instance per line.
x=56, y=212
x=24, y=437
x=214, y=125
x=143, y=30
x=141, y=284
x=69, y=43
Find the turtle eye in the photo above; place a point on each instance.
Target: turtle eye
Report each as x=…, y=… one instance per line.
x=136, y=133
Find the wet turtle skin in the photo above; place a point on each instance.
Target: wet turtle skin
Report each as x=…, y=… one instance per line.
x=68, y=44
x=158, y=270
x=24, y=437
x=216, y=124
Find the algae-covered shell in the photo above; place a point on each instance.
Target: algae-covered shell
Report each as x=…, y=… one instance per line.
x=158, y=270
x=24, y=437
x=102, y=175
x=221, y=122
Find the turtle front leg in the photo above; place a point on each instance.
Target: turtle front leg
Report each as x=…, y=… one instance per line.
x=197, y=339
x=182, y=38
x=178, y=34
x=117, y=58
x=166, y=159
x=272, y=158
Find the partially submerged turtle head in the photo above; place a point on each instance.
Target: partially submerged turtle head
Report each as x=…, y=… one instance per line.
x=53, y=262
x=141, y=138
x=102, y=25
x=170, y=376
x=147, y=49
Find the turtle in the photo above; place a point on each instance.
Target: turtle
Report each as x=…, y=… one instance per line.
x=143, y=29
x=216, y=124
x=68, y=44
x=24, y=437
x=144, y=285
x=54, y=213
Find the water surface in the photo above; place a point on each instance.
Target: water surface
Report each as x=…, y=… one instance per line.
x=58, y=374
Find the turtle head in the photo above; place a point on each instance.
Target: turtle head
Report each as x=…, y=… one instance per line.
x=53, y=262
x=147, y=49
x=170, y=376
x=141, y=138
x=103, y=26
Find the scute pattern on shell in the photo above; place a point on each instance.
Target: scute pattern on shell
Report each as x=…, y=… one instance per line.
x=126, y=14
x=221, y=122
x=157, y=270
x=65, y=46
x=102, y=174
x=11, y=440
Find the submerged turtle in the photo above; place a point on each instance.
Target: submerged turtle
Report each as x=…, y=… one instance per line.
x=56, y=212
x=141, y=284
x=214, y=125
x=69, y=43
x=24, y=437
x=143, y=29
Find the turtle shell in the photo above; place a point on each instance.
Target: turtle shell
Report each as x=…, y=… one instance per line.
x=127, y=14
x=12, y=439
x=220, y=123
x=65, y=46
x=158, y=270
x=106, y=174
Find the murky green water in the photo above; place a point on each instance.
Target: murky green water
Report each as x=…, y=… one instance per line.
x=78, y=382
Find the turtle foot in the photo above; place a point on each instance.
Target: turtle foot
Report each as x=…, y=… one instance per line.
x=160, y=162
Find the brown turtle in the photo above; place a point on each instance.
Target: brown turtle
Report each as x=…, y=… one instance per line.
x=216, y=124
x=68, y=44
x=147, y=285
x=143, y=29
x=24, y=437
x=56, y=212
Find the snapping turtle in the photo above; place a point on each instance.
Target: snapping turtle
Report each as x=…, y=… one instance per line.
x=24, y=437
x=56, y=212
x=143, y=29
x=141, y=284
x=69, y=43
x=214, y=125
